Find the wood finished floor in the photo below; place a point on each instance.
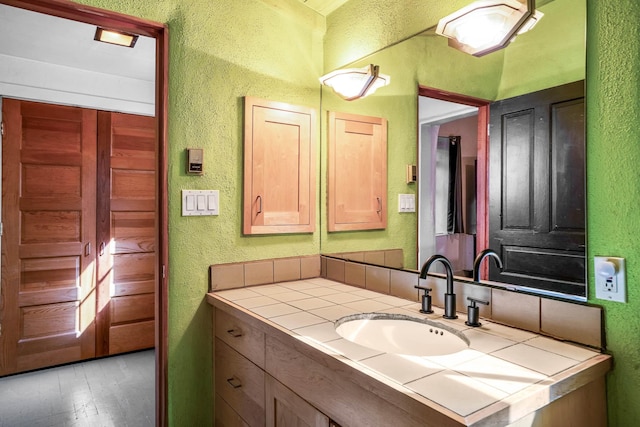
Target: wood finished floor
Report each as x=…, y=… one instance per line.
x=108, y=392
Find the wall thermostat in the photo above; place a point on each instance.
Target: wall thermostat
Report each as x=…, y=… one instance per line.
x=412, y=174
x=194, y=161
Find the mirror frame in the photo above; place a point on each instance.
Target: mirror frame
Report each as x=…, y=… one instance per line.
x=117, y=21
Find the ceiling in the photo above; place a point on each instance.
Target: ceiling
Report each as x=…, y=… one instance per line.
x=323, y=7
x=38, y=37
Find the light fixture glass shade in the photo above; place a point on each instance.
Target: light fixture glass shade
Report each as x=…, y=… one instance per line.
x=354, y=83
x=115, y=37
x=488, y=25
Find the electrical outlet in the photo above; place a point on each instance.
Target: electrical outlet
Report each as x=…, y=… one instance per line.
x=610, y=279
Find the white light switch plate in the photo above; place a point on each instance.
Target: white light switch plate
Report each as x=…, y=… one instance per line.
x=200, y=202
x=406, y=202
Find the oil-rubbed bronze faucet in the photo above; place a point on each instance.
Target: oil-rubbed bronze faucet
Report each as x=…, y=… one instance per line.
x=449, y=296
x=482, y=255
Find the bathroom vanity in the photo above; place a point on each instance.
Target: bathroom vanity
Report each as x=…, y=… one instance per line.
x=278, y=359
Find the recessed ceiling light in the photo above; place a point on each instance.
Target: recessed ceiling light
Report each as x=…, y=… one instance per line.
x=115, y=37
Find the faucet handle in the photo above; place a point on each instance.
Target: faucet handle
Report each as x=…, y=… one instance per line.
x=426, y=300
x=473, y=313
x=475, y=300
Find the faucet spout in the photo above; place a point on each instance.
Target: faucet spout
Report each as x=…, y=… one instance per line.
x=449, y=296
x=481, y=256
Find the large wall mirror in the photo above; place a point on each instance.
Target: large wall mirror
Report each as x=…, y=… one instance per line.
x=551, y=55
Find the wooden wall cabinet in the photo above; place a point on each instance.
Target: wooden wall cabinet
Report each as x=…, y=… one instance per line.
x=279, y=168
x=357, y=172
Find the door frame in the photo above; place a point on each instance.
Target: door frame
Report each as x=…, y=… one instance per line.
x=117, y=21
x=482, y=172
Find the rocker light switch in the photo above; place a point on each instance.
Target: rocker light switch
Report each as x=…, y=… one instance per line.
x=200, y=202
x=406, y=202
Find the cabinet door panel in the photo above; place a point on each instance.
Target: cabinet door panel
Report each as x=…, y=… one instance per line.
x=357, y=180
x=279, y=168
x=285, y=408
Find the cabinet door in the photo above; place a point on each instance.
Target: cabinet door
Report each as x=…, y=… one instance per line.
x=357, y=180
x=285, y=408
x=279, y=168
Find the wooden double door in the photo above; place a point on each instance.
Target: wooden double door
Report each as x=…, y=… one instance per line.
x=78, y=234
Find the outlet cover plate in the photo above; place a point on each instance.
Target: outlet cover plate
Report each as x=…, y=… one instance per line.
x=610, y=287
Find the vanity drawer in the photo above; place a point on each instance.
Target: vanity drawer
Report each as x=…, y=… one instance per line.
x=226, y=416
x=243, y=338
x=240, y=383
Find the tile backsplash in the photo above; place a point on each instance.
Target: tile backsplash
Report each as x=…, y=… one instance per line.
x=565, y=320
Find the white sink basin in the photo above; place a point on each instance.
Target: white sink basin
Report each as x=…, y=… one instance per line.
x=400, y=334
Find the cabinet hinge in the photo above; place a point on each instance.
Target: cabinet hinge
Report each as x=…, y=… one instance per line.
x=164, y=272
x=2, y=128
x=1, y=228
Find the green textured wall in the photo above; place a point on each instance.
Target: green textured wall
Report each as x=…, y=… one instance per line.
x=223, y=50
x=613, y=185
x=219, y=52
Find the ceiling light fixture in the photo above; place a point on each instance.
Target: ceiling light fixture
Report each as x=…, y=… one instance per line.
x=355, y=83
x=488, y=25
x=115, y=37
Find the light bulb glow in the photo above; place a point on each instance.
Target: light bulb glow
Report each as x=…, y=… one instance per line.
x=487, y=25
x=354, y=83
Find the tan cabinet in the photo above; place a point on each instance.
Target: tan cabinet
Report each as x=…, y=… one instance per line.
x=357, y=172
x=240, y=383
x=285, y=408
x=279, y=168
x=245, y=395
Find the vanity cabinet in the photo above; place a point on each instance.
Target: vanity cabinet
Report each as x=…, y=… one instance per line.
x=245, y=395
x=279, y=168
x=357, y=172
x=289, y=379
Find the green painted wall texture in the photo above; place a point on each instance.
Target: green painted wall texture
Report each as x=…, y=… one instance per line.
x=223, y=50
x=613, y=184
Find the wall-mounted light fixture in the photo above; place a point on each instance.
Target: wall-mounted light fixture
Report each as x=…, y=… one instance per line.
x=115, y=37
x=488, y=25
x=354, y=83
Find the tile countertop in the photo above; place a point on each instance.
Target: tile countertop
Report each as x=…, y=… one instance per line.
x=501, y=363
